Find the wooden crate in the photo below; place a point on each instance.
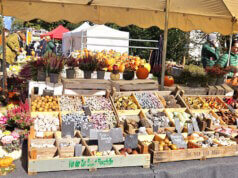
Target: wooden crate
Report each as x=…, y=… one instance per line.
x=88, y=161
x=195, y=153
x=135, y=85
x=86, y=86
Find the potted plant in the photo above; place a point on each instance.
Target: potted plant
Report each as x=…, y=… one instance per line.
x=115, y=73
x=216, y=74
x=41, y=65
x=87, y=64
x=55, y=66
x=101, y=65
x=193, y=76
x=129, y=72
x=71, y=63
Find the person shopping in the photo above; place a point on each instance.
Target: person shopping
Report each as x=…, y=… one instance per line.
x=210, y=51
x=223, y=61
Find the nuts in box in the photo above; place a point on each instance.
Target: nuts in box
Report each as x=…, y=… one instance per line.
x=148, y=101
x=98, y=103
x=70, y=103
x=195, y=102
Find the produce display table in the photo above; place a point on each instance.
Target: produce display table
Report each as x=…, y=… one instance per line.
x=135, y=85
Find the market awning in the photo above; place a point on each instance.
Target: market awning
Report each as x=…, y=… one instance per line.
x=57, y=33
x=206, y=15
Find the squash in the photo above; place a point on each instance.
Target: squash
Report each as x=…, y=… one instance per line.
x=147, y=66
x=142, y=72
x=110, y=68
x=6, y=161
x=110, y=62
x=168, y=80
x=122, y=68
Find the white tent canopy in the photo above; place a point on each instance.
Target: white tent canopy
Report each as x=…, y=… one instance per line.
x=95, y=38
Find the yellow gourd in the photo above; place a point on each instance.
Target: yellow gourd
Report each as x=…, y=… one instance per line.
x=6, y=161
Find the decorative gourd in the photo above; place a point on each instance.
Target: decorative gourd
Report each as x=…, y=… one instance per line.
x=142, y=72
x=115, y=76
x=122, y=68
x=110, y=61
x=6, y=161
x=147, y=66
x=110, y=68
x=168, y=80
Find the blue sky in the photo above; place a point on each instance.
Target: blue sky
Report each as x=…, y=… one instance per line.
x=8, y=22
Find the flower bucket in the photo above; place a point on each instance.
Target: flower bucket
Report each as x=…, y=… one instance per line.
x=41, y=76
x=54, y=78
x=128, y=75
x=87, y=74
x=100, y=74
x=212, y=81
x=70, y=73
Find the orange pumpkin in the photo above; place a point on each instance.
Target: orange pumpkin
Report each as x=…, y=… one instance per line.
x=168, y=80
x=142, y=73
x=122, y=68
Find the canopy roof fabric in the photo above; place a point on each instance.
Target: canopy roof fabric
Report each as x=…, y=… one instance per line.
x=57, y=33
x=206, y=15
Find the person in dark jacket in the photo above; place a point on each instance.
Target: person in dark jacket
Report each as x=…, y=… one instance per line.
x=210, y=51
x=43, y=44
x=50, y=47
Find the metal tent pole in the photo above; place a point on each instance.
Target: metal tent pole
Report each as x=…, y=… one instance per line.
x=165, y=43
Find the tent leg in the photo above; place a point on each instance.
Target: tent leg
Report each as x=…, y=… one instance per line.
x=165, y=44
x=4, y=51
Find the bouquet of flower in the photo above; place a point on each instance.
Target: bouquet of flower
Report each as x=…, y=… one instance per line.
x=10, y=141
x=20, y=117
x=130, y=67
x=72, y=63
x=101, y=65
x=88, y=63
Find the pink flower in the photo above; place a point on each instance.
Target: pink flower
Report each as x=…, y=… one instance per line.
x=3, y=120
x=15, y=135
x=7, y=139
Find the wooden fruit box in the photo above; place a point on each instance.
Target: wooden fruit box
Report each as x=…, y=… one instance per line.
x=135, y=85
x=195, y=153
x=133, y=116
x=203, y=106
x=224, y=118
x=211, y=104
x=211, y=112
x=87, y=161
x=86, y=86
x=44, y=152
x=121, y=94
x=79, y=97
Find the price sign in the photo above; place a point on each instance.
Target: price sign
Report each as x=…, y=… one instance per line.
x=131, y=141
x=178, y=140
x=85, y=128
x=78, y=150
x=104, y=141
x=93, y=134
x=155, y=125
x=87, y=111
x=195, y=125
x=190, y=128
x=177, y=125
x=117, y=135
x=68, y=129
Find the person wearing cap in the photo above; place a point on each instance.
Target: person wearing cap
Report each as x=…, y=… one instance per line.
x=210, y=51
x=223, y=61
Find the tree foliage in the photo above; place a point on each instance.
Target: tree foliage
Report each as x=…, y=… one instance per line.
x=177, y=39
